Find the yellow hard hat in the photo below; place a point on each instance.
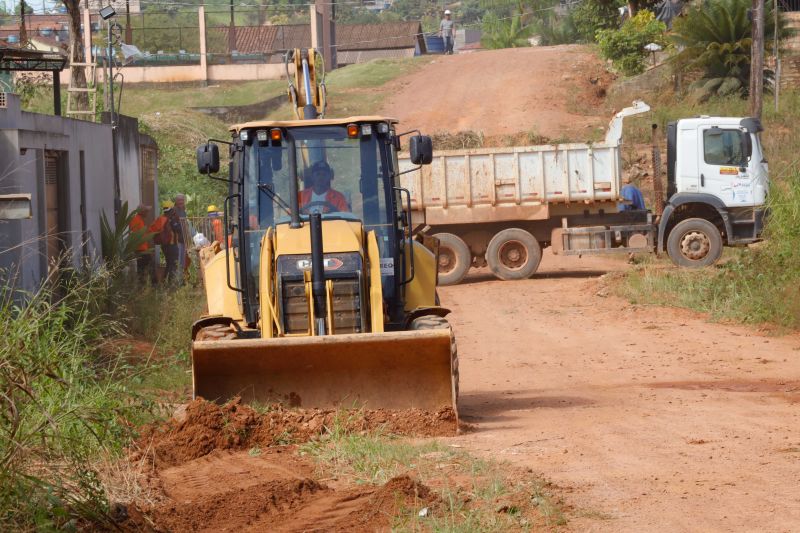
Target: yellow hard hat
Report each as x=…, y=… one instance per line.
x=212, y=209
x=166, y=204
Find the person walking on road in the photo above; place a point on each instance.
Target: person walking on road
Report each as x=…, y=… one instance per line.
x=447, y=30
x=144, y=259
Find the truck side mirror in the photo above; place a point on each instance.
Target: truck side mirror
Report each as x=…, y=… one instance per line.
x=420, y=149
x=208, y=158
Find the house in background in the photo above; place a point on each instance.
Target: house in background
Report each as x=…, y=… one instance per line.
x=66, y=166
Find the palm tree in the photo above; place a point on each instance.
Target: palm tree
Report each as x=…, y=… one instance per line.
x=509, y=33
x=714, y=39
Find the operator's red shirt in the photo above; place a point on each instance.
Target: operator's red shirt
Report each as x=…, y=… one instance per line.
x=335, y=198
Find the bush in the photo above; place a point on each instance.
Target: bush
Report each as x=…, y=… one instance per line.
x=592, y=16
x=625, y=46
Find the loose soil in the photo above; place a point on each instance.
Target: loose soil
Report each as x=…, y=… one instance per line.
x=232, y=468
x=273, y=490
x=554, y=91
x=650, y=418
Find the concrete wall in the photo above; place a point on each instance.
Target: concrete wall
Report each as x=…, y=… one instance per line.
x=25, y=138
x=194, y=73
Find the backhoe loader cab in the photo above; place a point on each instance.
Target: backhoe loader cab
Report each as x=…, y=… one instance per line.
x=321, y=296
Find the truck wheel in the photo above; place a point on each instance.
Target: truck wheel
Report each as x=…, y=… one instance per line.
x=454, y=258
x=513, y=254
x=694, y=243
x=437, y=322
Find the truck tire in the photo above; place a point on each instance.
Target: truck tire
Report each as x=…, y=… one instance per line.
x=694, y=243
x=454, y=258
x=437, y=322
x=513, y=254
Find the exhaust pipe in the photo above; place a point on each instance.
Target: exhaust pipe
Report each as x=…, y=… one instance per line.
x=318, y=292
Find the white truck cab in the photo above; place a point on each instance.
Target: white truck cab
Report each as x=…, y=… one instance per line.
x=717, y=182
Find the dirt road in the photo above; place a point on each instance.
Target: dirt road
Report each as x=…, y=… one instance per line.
x=507, y=91
x=649, y=418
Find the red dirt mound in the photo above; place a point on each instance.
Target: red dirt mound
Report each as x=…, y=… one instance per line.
x=205, y=426
x=274, y=491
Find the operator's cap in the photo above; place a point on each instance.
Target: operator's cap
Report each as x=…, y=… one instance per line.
x=446, y=11
x=211, y=209
x=166, y=204
x=322, y=166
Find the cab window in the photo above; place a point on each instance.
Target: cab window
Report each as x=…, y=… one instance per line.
x=723, y=147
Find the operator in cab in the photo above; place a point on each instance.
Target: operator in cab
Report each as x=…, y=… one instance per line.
x=319, y=197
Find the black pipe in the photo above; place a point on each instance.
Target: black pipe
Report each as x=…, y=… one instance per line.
x=318, y=292
x=294, y=193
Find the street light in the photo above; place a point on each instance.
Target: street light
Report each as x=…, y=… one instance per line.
x=107, y=13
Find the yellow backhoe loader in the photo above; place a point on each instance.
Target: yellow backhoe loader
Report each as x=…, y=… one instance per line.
x=320, y=296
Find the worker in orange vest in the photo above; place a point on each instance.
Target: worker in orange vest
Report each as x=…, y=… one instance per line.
x=144, y=255
x=215, y=219
x=320, y=197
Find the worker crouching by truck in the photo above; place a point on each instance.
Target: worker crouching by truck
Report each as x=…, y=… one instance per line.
x=499, y=207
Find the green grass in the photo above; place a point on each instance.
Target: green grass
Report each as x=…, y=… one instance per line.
x=755, y=285
x=470, y=489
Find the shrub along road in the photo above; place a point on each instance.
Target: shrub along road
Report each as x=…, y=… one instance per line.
x=649, y=418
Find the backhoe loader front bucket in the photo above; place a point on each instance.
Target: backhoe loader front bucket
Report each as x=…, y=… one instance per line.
x=397, y=370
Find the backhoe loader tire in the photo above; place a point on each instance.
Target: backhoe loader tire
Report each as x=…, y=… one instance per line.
x=454, y=258
x=513, y=254
x=437, y=322
x=216, y=332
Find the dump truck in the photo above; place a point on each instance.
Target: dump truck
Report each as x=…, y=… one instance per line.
x=501, y=206
x=319, y=295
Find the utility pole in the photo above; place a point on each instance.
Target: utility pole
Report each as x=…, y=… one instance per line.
x=232, y=33
x=128, y=29
x=757, y=60
x=776, y=56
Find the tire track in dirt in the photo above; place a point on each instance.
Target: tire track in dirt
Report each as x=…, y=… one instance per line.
x=650, y=418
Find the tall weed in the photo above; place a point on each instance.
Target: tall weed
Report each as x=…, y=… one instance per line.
x=65, y=401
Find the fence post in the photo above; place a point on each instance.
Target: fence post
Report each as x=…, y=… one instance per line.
x=201, y=19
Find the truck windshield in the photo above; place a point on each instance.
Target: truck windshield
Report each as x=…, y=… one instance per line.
x=338, y=176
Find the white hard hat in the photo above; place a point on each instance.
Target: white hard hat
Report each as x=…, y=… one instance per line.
x=446, y=11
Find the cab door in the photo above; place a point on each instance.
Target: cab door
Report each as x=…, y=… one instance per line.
x=724, y=161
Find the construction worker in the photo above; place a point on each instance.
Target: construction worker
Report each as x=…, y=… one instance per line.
x=631, y=193
x=320, y=197
x=144, y=257
x=170, y=239
x=215, y=222
x=447, y=30
x=159, y=235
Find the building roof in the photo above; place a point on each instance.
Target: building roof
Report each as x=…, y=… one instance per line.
x=23, y=59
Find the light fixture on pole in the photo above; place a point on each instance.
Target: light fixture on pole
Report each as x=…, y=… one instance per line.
x=107, y=13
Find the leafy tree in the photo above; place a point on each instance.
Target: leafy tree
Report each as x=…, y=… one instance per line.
x=715, y=39
x=591, y=16
x=625, y=46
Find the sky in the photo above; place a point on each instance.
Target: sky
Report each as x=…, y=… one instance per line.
x=10, y=5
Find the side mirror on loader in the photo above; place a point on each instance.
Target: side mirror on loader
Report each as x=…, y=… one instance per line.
x=208, y=158
x=420, y=149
